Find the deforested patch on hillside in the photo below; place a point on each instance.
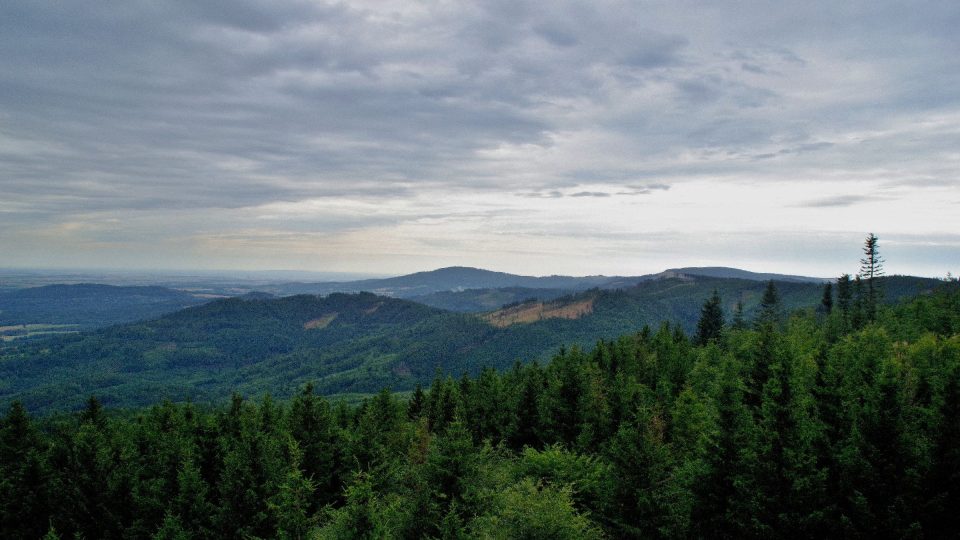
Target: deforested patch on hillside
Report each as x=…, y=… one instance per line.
x=529, y=312
x=321, y=322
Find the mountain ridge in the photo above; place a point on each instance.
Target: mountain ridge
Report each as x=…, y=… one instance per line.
x=350, y=343
x=460, y=278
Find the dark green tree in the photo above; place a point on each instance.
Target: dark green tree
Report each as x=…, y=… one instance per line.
x=710, y=325
x=770, y=312
x=844, y=298
x=826, y=303
x=727, y=497
x=642, y=458
x=858, y=311
x=526, y=428
x=312, y=427
x=291, y=503
x=24, y=510
x=765, y=349
x=739, y=323
x=417, y=403
x=792, y=482
x=94, y=412
x=443, y=401
x=871, y=268
x=943, y=481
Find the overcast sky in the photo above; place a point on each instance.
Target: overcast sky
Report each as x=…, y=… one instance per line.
x=537, y=138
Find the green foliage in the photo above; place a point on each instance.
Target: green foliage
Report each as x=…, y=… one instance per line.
x=291, y=504
x=770, y=314
x=799, y=428
x=826, y=303
x=531, y=510
x=710, y=325
x=344, y=343
x=871, y=268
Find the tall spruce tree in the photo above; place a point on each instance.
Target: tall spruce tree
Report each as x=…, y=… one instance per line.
x=826, y=303
x=311, y=426
x=769, y=307
x=710, y=325
x=844, y=297
x=417, y=403
x=871, y=268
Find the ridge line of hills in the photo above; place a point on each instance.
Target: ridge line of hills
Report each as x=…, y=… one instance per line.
x=456, y=278
x=463, y=289
x=353, y=342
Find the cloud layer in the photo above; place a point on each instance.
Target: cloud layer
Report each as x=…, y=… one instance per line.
x=614, y=137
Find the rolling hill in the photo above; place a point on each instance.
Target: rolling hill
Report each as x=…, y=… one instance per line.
x=736, y=273
x=468, y=289
x=351, y=343
x=482, y=300
x=456, y=278
x=87, y=306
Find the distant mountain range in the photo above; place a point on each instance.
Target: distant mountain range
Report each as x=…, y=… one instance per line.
x=459, y=278
x=735, y=273
x=463, y=289
x=454, y=278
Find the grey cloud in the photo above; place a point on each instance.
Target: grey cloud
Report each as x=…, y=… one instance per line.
x=839, y=201
x=552, y=194
x=934, y=182
x=123, y=107
x=795, y=150
x=556, y=35
x=645, y=189
x=808, y=147
x=652, y=49
x=634, y=189
x=754, y=68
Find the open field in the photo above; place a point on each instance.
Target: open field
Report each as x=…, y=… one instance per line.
x=18, y=331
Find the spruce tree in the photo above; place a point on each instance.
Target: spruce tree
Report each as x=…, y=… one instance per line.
x=526, y=427
x=858, y=313
x=23, y=506
x=739, y=323
x=311, y=425
x=769, y=307
x=871, y=268
x=943, y=482
x=844, y=296
x=767, y=323
x=291, y=502
x=826, y=303
x=416, y=403
x=710, y=325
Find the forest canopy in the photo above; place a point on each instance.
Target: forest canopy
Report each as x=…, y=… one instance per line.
x=824, y=423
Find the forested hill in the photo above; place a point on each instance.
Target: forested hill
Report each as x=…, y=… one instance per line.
x=440, y=282
x=201, y=352
x=356, y=343
x=822, y=425
x=90, y=305
x=726, y=272
x=444, y=279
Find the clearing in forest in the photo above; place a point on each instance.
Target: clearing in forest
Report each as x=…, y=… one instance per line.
x=536, y=311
